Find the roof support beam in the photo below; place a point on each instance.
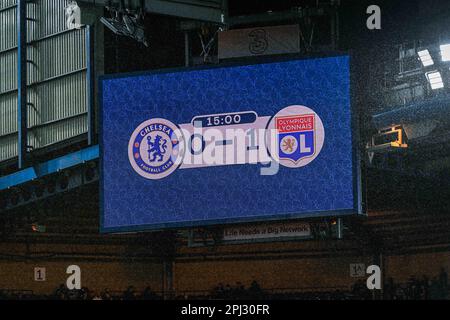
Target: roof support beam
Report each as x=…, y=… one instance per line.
x=22, y=122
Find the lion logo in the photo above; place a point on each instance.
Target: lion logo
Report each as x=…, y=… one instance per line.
x=156, y=148
x=289, y=144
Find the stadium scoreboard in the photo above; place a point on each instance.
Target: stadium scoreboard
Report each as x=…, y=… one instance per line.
x=227, y=144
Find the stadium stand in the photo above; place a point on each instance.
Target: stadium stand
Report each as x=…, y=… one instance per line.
x=417, y=288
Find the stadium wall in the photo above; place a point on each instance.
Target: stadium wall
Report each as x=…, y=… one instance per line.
x=95, y=275
x=58, y=85
x=401, y=267
x=197, y=274
x=283, y=274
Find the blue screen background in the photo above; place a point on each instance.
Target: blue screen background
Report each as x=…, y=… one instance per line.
x=236, y=192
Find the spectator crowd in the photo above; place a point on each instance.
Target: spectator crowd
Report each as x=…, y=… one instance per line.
x=416, y=288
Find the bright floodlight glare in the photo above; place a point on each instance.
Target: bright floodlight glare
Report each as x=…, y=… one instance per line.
x=435, y=80
x=425, y=58
x=445, y=52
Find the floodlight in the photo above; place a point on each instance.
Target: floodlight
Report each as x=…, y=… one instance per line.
x=445, y=52
x=435, y=80
x=425, y=58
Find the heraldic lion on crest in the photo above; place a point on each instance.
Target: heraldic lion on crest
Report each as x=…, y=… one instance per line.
x=157, y=148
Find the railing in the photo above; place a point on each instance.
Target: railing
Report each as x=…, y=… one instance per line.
x=15, y=293
x=335, y=292
x=198, y=294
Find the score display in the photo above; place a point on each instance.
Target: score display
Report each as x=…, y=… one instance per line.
x=228, y=144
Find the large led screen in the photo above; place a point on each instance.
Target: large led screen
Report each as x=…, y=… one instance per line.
x=226, y=144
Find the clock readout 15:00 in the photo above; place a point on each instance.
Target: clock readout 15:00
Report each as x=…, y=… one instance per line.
x=225, y=119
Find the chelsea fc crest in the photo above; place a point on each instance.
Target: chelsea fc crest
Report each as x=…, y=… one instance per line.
x=155, y=148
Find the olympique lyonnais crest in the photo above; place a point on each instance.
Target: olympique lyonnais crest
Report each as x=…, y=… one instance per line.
x=296, y=137
x=299, y=136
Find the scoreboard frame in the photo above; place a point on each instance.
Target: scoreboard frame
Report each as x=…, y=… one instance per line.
x=359, y=203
